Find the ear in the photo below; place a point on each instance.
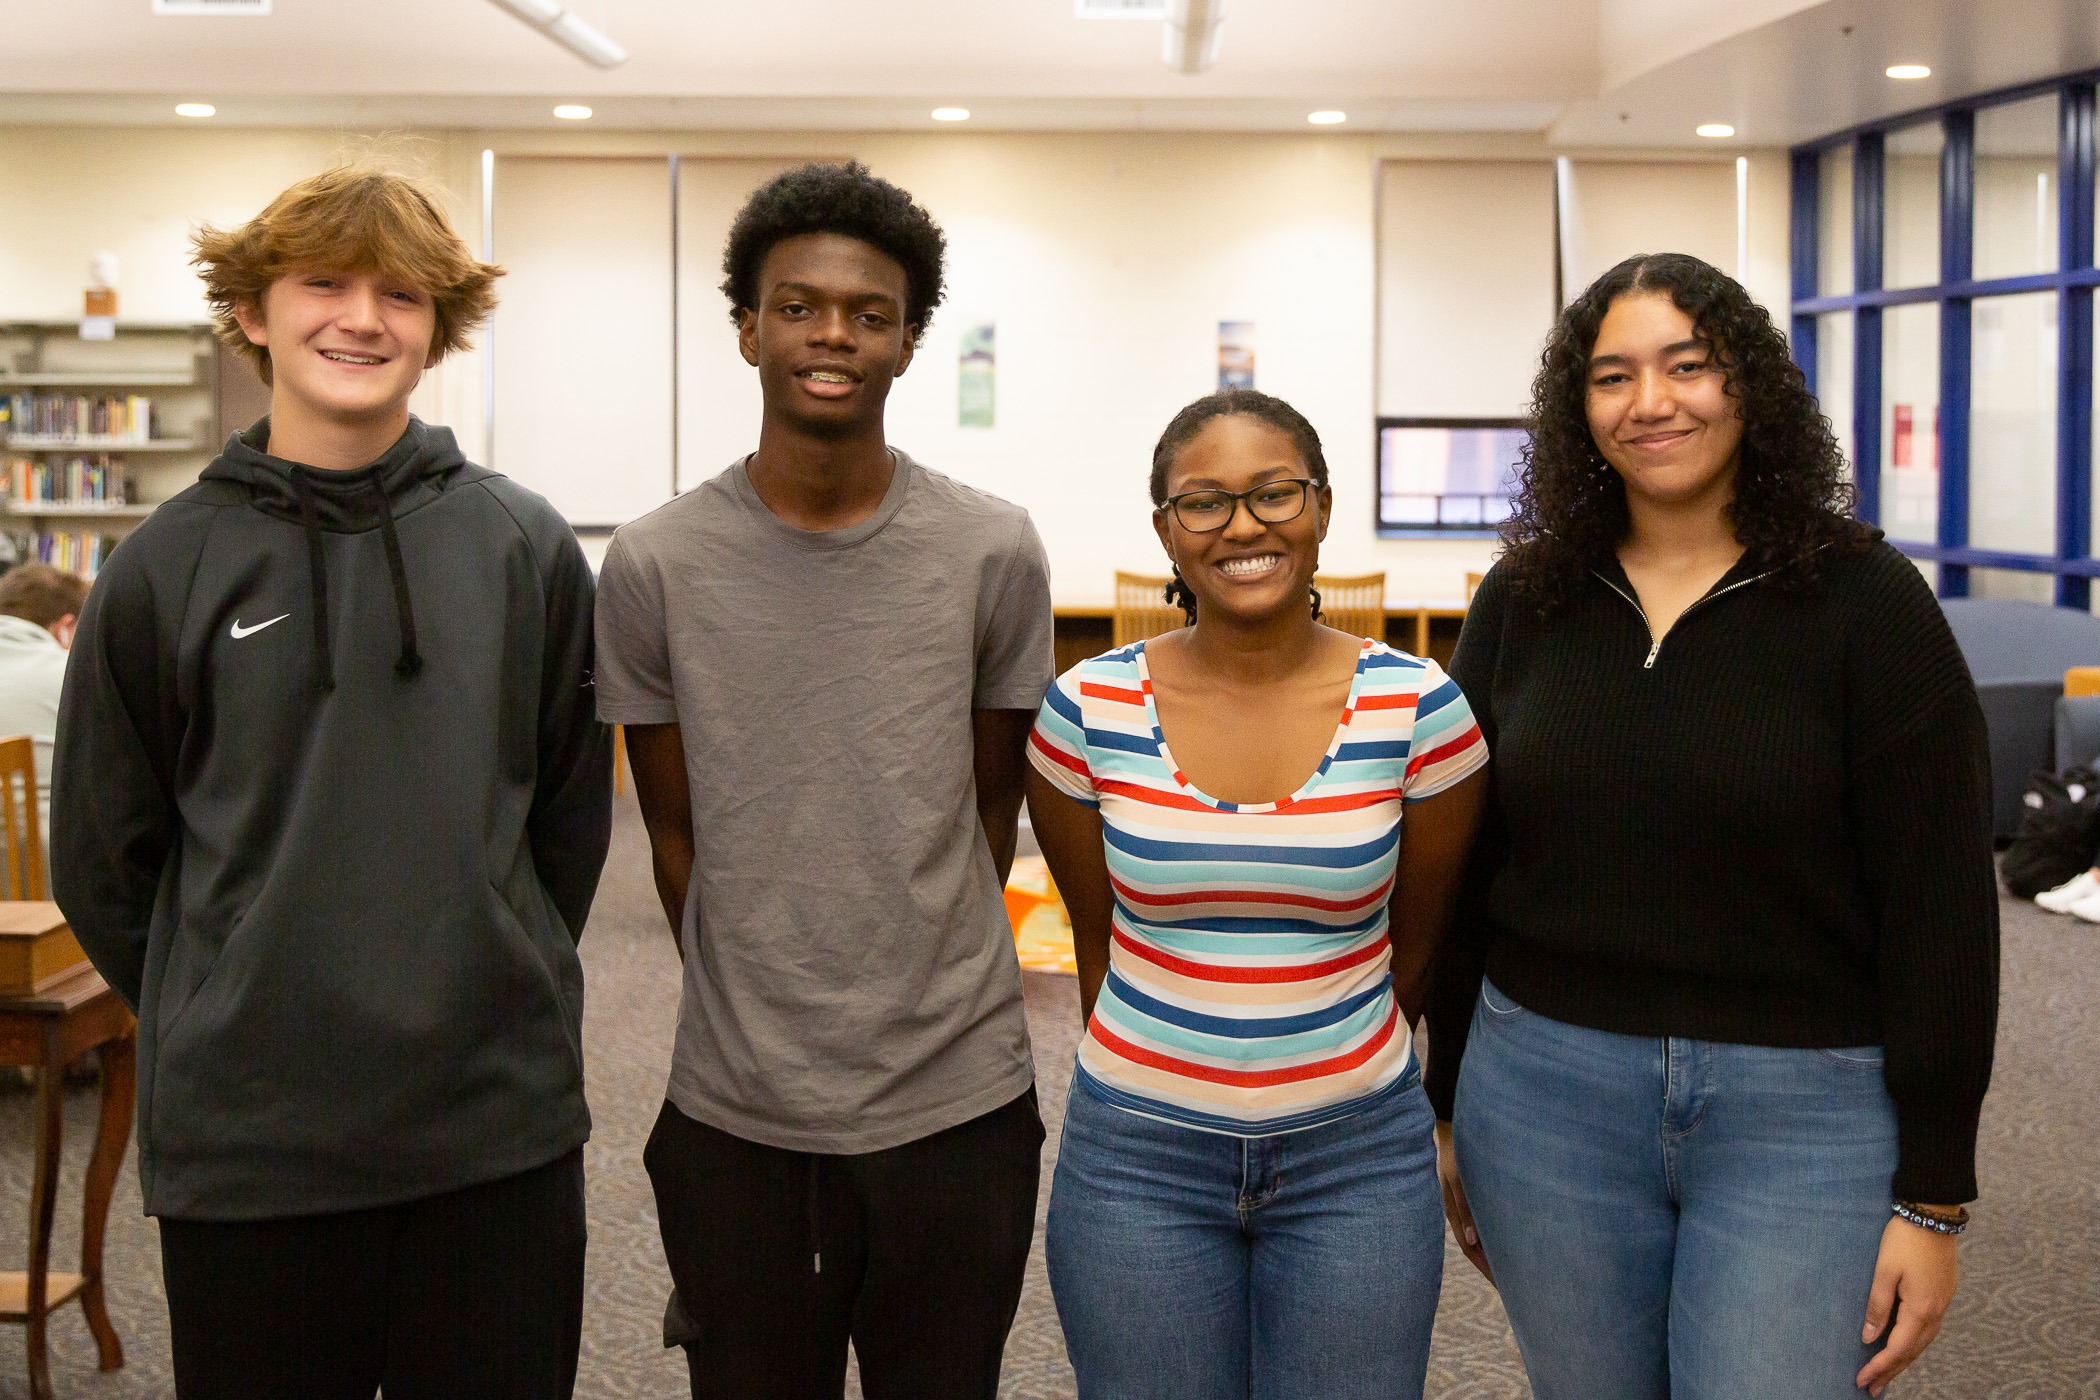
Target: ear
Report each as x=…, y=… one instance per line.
x=911, y=347
x=62, y=630
x=248, y=315
x=747, y=335
x=1164, y=528
x=1323, y=497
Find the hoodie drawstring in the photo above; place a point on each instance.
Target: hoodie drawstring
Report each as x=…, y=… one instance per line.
x=411, y=659
x=323, y=649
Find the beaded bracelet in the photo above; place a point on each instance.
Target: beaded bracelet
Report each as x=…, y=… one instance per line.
x=1938, y=1225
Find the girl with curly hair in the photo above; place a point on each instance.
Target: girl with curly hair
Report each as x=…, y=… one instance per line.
x=1711, y=1035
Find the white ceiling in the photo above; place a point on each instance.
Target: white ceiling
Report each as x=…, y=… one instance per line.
x=1779, y=70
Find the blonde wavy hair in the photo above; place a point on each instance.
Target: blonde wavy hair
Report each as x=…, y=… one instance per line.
x=358, y=217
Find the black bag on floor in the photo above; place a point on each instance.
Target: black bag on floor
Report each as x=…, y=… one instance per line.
x=2059, y=831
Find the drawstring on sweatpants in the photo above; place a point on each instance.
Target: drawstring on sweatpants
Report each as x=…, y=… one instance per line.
x=816, y=1238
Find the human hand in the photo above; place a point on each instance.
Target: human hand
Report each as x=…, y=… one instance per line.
x=1456, y=1209
x=1914, y=1277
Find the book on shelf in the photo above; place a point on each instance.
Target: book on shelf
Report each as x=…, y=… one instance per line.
x=111, y=420
x=87, y=480
x=75, y=551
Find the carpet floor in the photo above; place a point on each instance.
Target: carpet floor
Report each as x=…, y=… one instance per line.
x=2026, y=1325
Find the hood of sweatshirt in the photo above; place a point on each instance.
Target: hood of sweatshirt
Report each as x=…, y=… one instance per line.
x=410, y=474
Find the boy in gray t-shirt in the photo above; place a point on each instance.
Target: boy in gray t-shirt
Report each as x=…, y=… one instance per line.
x=828, y=659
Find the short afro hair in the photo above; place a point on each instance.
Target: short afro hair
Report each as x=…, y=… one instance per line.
x=847, y=199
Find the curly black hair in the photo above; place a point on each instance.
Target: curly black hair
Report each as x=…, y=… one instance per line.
x=1793, y=498
x=847, y=199
x=1191, y=420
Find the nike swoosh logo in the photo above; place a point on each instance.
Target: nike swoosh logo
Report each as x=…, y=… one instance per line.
x=240, y=631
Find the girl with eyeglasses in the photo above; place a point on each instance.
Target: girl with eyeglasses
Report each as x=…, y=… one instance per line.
x=1257, y=823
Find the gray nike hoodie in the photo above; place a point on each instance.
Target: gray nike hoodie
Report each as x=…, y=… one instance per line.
x=335, y=804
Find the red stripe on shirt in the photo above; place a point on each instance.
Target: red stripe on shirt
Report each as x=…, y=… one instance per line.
x=1248, y=1078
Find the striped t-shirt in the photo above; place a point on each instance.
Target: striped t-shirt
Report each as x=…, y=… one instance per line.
x=1249, y=986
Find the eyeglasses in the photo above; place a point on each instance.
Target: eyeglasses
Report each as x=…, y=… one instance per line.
x=1272, y=503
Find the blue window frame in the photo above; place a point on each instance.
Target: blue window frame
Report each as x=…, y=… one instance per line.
x=1957, y=293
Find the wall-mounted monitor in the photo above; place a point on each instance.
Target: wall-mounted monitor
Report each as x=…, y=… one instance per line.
x=1447, y=475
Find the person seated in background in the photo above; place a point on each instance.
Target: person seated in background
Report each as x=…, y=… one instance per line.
x=38, y=608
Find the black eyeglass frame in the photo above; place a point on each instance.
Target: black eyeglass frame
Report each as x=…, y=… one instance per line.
x=1172, y=504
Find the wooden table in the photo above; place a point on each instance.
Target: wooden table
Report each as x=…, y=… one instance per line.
x=48, y=1030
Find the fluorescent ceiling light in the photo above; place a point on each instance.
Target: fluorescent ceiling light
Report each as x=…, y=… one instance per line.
x=573, y=112
x=1120, y=9
x=1328, y=118
x=951, y=114
x=1194, y=29
x=195, y=109
x=566, y=29
x=1716, y=131
x=211, y=7
x=1909, y=71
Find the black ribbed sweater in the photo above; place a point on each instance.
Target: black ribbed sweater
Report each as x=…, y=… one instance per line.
x=1773, y=829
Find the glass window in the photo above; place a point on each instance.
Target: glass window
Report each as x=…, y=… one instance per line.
x=1834, y=216
x=1910, y=422
x=2016, y=188
x=1834, y=378
x=2023, y=584
x=2012, y=423
x=1911, y=209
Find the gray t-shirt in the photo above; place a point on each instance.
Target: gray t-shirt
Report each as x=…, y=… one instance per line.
x=850, y=981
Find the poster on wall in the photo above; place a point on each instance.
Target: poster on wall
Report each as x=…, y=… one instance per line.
x=976, y=376
x=1235, y=354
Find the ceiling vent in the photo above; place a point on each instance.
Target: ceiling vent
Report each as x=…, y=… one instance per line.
x=1120, y=9
x=211, y=7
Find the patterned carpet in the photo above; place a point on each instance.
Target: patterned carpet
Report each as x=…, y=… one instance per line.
x=2026, y=1325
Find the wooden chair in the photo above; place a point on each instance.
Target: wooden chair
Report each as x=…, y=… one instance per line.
x=1353, y=603
x=22, y=863
x=1142, y=609
x=1473, y=581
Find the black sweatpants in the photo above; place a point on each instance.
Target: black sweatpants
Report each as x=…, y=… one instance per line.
x=475, y=1294
x=915, y=1253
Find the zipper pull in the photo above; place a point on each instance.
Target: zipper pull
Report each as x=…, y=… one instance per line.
x=1649, y=664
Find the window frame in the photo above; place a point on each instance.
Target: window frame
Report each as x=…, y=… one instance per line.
x=1956, y=292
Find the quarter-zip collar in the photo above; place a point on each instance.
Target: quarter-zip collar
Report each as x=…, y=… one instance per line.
x=1744, y=572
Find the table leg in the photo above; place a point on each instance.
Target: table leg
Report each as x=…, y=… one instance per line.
x=43, y=1199
x=112, y=1135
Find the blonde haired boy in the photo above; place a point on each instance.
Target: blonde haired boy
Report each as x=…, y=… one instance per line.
x=337, y=803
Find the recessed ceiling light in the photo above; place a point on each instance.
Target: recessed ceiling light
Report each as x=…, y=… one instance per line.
x=195, y=109
x=951, y=114
x=1716, y=131
x=573, y=112
x=1909, y=72
x=1328, y=118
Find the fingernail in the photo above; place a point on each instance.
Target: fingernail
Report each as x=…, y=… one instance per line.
x=1472, y=1235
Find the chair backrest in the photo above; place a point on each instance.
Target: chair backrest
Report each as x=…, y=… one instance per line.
x=1473, y=582
x=22, y=864
x=1142, y=609
x=2005, y=639
x=1353, y=603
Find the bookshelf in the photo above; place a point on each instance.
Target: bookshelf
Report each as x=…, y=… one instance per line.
x=94, y=434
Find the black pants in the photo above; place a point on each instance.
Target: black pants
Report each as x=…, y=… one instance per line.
x=476, y=1294
x=914, y=1253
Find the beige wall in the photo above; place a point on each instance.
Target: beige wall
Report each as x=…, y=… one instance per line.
x=1106, y=261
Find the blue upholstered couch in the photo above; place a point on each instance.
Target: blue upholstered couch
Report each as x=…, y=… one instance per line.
x=2017, y=654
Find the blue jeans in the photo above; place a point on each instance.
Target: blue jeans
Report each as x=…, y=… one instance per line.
x=1190, y=1265
x=1675, y=1219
